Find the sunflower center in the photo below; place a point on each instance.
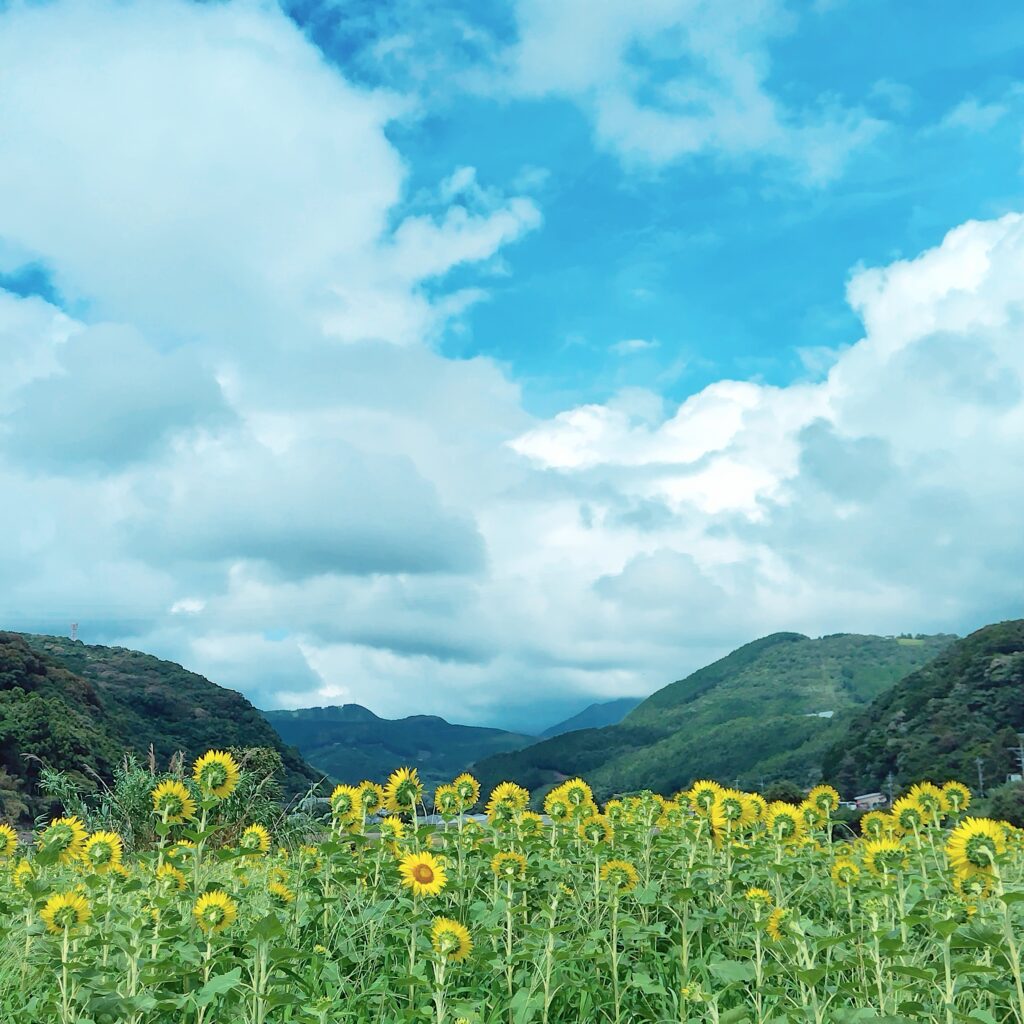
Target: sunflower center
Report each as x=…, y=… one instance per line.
x=423, y=874
x=981, y=851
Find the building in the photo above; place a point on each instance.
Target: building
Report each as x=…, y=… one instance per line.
x=870, y=801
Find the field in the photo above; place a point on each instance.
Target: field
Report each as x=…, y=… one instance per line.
x=710, y=907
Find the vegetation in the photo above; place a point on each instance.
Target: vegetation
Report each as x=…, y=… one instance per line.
x=350, y=743
x=714, y=907
x=751, y=716
x=595, y=716
x=65, y=705
x=966, y=704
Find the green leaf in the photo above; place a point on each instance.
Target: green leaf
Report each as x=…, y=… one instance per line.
x=218, y=985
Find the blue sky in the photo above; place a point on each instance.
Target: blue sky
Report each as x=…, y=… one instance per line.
x=489, y=359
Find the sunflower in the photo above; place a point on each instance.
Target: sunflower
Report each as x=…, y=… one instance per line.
x=876, y=824
x=280, y=893
x=391, y=828
x=446, y=800
x=8, y=841
x=468, y=789
x=180, y=850
x=909, y=815
x=556, y=807
x=103, y=851
x=620, y=874
x=168, y=873
x=507, y=800
x=344, y=801
x=758, y=897
x=597, y=829
x=65, y=911
x=403, y=790
x=510, y=865
x=216, y=773
x=371, y=796
x=958, y=796
x=930, y=799
x=975, y=842
x=577, y=793
x=310, y=857
x=845, y=872
x=450, y=939
x=703, y=795
x=173, y=802
x=22, y=873
x=775, y=922
x=255, y=840
x=973, y=883
x=811, y=813
x=423, y=873
x=730, y=811
x=530, y=823
x=214, y=911
x=825, y=798
x=672, y=814
x=64, y=837
x=785, y=822
x=884, y=856
x=758, y=805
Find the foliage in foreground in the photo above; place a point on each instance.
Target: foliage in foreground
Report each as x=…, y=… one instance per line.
x=713, y=906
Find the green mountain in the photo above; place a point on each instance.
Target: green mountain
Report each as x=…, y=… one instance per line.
x=351, y=743
x=767, y=711
x=76, y=707
x=967, y=703
x=595, y=716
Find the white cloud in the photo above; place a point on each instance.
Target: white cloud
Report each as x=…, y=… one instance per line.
x=610, y=59
x=327, y=508
x=629, y=346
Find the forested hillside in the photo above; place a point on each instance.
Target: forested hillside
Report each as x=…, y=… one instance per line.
x=967, y=703
x=70, y=705
x=350, y=743
x=767, y=711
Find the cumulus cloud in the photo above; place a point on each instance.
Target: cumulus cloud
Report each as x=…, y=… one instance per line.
x=290, y=488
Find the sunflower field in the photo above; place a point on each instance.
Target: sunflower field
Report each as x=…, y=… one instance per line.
x=712, y=906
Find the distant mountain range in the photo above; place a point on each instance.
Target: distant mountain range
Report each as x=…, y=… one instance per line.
x=767, y=711
x=350, y=743
x=595, y=716
x=78, y=707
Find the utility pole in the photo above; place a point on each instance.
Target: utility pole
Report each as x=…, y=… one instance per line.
x=74, y=630
x=1018, y=752
x=889, y=786
x=979, y=761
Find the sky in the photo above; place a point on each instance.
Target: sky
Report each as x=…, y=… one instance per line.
x=486, y=359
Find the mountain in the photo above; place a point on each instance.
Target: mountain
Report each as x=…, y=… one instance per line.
x=595, y=716
x=71, y=705
x=967, y=703
x=351, y=743
x=767, y=711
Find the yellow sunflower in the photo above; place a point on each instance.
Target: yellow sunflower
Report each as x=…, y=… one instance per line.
x=975, y=843
x=168, y=874
x=776, y=921
x=173, y=802
x=22, y=873
x=64, y=837
x=103, y=851
x=703, y=795
x=8, y=841
x=280, y=893
x=216, y=773
x=531, y=823
x=450, y=939
x=509, y=865
x=446, y=800
x=65, y=911
x=468, y=789
x=577, y=793
x=403, y=790
x=958, y=796
x=973, y=883
x=345, y=802
x=371, y=796
x=596, y=829
x=785, y=822
x=845, y=872
x=884, y=856
x=930, y=799
x=254, y=840
x=391, y=828
x=825, y=798
x=731, y=811
x=876, y=824
x=909, y=815
x=758, y=897
x=214, y=911
x=620, y=874
x=423, y=873
x=506, y=801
